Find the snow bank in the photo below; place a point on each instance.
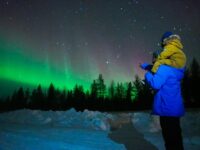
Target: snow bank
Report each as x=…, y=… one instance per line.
x=71, y=118
x=69, y=130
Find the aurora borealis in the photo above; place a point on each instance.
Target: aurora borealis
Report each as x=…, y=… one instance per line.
x=70, y=42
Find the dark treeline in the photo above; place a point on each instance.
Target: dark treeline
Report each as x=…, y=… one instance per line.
x=116, y=97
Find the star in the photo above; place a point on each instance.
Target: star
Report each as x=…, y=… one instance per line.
x=107, y=62
x=63, y=44
x=86, y=43
x=135, y=1
x=162, y=17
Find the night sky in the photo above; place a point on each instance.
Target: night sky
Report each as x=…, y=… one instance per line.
x=70, y=42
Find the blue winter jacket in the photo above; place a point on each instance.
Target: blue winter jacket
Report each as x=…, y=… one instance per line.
x=168, y=100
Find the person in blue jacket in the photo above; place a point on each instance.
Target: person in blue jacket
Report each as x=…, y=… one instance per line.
x=168, y=101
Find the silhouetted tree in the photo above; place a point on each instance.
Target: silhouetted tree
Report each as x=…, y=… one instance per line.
x=131, y=92
x=34, y=99
x=128, y=91
x=139, y=86
x=79, y=92
x=186, y=91
x=51, y=96
x=79, y=97
x=195, y=81
x=120, y=91
x=101, y=87
x=63, y=99
x=111, y=90
x=145, y=94
x=27, y=96
x=57, y=101
x=63, y=95
x=94, y=89
x=87, y=94
x=37, y=98
x=18, y=99
x=134, y=93
x=69, y=99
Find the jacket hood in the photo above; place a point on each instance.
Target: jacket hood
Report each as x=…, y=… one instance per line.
x=176, y=43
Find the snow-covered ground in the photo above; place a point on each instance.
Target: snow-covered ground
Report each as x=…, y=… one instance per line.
x=72, y=130
x=149, y=126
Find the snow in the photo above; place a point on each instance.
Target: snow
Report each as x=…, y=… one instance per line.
x=71, y=118
x=72, y=130
x=149, y=126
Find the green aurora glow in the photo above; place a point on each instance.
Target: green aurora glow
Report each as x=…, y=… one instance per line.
x=27, y=66
x=19, y=67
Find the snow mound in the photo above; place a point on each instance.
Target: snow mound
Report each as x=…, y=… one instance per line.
x=71, y=118
x=60, y=130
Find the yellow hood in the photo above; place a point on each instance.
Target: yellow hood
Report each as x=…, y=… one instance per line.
x=175, y=42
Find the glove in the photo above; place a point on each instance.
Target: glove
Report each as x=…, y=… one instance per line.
x=145, y=66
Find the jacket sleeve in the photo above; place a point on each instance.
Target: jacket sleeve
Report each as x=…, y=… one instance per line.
x=157, y=80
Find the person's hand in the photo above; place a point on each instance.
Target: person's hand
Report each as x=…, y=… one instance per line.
x=144, y=66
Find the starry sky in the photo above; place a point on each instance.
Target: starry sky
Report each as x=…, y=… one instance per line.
x=68, y=42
